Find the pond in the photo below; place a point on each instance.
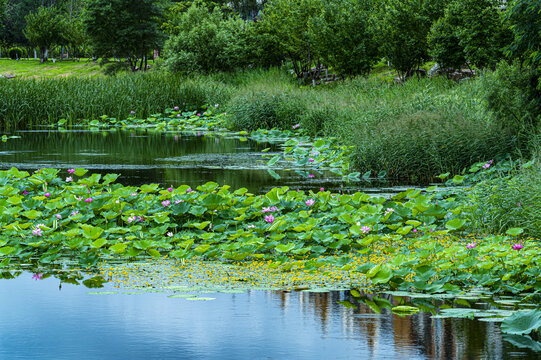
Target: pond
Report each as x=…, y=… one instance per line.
x=168, y=158
x=39, y=320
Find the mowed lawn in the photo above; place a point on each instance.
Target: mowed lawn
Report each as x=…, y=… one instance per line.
x=34, y=69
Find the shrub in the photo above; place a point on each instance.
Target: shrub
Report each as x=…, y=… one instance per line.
x=15, y=53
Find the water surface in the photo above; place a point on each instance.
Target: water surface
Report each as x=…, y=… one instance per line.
x=168, y=158
x=40, y=321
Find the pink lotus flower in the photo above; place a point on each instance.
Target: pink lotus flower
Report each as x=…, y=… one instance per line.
x=58, y=216
x=175, y=108
x=471, y=245
x=388, y=211
x=311, y=160
x=178, y=115
x=310, y=202
x=188, y=190
x=132, y=112
x=269, y=218
x=88, y=200
x=71, y=171
x=170, y=234
x=414, y=230
x=37, y=231
x=134, y=194
x=322, y=189
x=178, y=201
x=130, y=219
x=296, y=126
x=170, y=189
x=198, y=114
x=517, y=246
x=37, y=276
x=69, y=179
x=25, y=192
x=47, y=194
x=166, y=203
x=269, y=209
x=73, y=213
x=365, y=229
x=311, y=176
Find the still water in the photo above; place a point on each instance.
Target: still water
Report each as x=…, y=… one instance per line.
x=167, y=158
x=39, y=321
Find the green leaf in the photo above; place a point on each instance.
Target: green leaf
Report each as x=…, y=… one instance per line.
x=383, y=276
x=118, y=248
x=455, y=224
x=522, y=322
x=98, y=243
x=514, y=231
x=285, y=247
x=273, y=161
x=458, y=179
x=80, y=172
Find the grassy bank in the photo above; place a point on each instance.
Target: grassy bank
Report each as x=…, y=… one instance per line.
x=33, y=69
x=415, y=130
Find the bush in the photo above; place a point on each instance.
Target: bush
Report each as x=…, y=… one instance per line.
x=115, y=67
x=513, y=95
x=15, y=53
x=266, y=110
x=513, y=201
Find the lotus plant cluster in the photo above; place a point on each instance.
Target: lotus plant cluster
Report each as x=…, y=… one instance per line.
x=214, y=222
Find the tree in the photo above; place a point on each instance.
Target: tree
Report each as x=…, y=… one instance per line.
x=344, y=37
x=124, y=28
x=524, y=18
x=470, y=31
x=286, y=22
x=44, y=28
x=204, y=41
x=403, y=27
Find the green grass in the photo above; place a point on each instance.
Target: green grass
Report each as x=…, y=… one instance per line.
x=415, y=130
x=33, y=69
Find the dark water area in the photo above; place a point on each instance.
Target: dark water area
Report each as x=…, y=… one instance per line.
x=39, y=321
x=168, y=158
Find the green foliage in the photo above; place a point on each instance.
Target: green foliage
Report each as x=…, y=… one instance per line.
x=470, y=30
x=205, y=41
x=44, y=28
x=403, y=27
x=505, y=202
x=124, y=28
x=15, y=53
x=265, y=110
x=31, y=102
x=343, y=35
x=513, y=95
x=445, y=45
x=524, y=18
x=287, y=23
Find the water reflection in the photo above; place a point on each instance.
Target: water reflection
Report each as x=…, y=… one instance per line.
x=39, y=321
x=167, y=158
